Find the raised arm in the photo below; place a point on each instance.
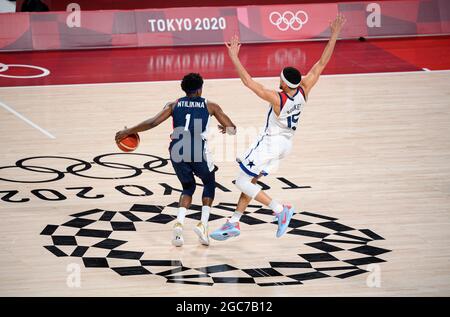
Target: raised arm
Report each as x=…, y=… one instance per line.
x=226, y=125
x=262, y=92
x=148, y=124
x=313, y=75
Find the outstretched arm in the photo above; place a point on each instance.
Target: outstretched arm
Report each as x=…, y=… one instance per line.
x=262, y=92
x=162, y=116
x=226, y=125
x=312, y=77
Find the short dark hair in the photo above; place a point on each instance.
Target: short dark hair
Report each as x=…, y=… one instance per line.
x=292, y=74
x=191, y=83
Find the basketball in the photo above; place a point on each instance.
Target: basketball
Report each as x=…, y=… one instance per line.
x=129, y=143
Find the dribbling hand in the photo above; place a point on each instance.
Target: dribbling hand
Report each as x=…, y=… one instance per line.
x=122, y=134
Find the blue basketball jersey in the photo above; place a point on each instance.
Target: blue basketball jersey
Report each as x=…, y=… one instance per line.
x=190, y=124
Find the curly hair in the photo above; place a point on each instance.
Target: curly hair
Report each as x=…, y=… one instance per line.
x=191, y=83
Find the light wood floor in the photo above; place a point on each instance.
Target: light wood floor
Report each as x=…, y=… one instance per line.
x=374, y=149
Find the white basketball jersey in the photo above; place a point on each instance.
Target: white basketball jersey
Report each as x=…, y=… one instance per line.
x=286, y=123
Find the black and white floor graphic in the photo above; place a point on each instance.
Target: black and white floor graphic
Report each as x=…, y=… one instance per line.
x=336, y=250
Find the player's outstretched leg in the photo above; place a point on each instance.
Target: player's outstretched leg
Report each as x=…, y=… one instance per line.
x=231, y=228
x=250, y=190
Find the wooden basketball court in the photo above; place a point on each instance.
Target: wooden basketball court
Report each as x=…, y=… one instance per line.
x=369, y=175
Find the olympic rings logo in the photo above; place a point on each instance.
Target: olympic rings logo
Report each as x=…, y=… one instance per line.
x=288, y=20
x=5, y=67
x=80, y=167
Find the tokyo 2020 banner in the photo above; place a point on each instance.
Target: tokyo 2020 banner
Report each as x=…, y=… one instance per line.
x=78, y=29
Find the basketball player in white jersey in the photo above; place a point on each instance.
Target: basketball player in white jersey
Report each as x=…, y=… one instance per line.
x=275, y=142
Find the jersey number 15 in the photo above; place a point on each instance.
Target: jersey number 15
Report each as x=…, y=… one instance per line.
x=292, y=121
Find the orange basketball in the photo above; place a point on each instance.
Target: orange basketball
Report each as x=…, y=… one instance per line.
x=129, y=143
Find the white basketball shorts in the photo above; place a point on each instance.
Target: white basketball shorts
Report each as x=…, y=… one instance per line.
x=264, y=155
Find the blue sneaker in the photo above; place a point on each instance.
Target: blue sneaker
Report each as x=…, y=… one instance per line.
x=284, y=218
x=228, y=230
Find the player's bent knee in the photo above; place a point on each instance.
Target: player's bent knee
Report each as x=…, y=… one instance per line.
x=189, y=188
x=245, y=185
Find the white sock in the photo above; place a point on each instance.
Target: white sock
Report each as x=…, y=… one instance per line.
x=236, y=217
x=181, y=214
x=276, y=206
x=205, y=215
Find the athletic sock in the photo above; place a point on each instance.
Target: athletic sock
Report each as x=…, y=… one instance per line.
x=276, y=206
x=236, y=217
x=205, y=215
x=181, y=214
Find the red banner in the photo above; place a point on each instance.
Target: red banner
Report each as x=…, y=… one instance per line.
x=214, y=25
x=366, y=19
x=61, y=5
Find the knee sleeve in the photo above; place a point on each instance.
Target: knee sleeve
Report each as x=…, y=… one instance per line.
x=245, y=185
x=189, y=188
x=209, y=186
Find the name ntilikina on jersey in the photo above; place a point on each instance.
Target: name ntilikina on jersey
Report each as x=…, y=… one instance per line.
x=191, y=104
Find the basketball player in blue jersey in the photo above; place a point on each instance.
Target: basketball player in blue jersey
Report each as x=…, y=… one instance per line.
x=188, y=149
x=275, y=141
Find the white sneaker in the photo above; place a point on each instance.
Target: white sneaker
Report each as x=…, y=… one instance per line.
x=178, y=240
x=202, y=233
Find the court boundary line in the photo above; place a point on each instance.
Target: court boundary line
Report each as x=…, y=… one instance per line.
x=230, y=78
x=23, y=118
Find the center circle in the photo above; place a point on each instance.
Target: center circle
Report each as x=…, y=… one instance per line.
x=316, y=246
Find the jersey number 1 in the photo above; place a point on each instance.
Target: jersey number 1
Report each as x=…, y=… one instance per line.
x=188, y=119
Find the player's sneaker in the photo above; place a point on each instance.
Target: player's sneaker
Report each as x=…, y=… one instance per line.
x=202, y=233
x=178, y=235
x=284, y=218
x=228, y=230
